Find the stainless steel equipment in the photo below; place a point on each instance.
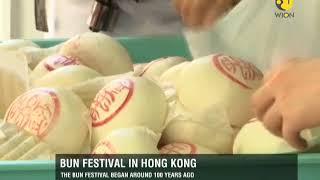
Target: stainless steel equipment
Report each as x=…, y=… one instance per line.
x=104, y=15
x=40, y=13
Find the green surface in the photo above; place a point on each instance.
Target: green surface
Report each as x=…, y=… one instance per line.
x=27, y=170
x=309, y=167
x=142, y=50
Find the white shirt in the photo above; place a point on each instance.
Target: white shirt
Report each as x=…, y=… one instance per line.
x=253, y=32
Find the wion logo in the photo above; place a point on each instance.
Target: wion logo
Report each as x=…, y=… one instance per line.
x=285, y=6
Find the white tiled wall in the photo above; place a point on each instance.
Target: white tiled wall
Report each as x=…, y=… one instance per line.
x=5, y=19
x=65, y=18
x=17, y=20
x=70, y=17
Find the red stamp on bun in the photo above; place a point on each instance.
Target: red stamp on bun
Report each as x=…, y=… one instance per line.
x=179, y=148
x=104, y=147
x=237, y=70
x=110, y=100
x=35, y=111
x=57, y=61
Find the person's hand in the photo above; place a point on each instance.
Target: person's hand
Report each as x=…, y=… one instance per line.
x=289, y=100
x=202, y=13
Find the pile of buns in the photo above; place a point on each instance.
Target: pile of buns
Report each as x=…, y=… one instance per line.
x=87, y=96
